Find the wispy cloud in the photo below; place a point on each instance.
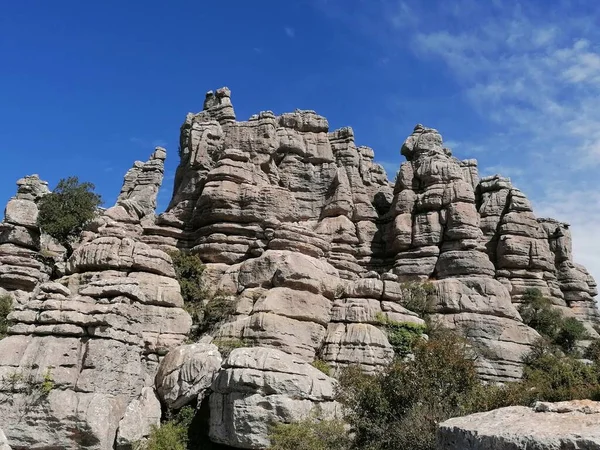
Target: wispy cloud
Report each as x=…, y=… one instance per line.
x=532, y=74
x=290, y=32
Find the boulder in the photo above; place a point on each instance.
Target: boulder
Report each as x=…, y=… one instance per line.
x=186, y=374
x=565, y=425
x=259, y=387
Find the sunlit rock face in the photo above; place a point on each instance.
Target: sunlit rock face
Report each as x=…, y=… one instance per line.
x=304, y=229
x=304, y=232
x=94, y=335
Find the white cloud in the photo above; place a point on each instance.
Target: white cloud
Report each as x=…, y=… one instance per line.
x=581, y=209
x=532, y=72
x=290, y=32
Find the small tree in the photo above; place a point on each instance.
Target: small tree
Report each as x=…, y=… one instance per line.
x=64, y=213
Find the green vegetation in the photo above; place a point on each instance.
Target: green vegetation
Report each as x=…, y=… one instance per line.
x=189, y=269
x=227, y=345
x=65, y=212
x=217, y=310
x=401, y=407
x=322, y=366
x=592, y=352
x=310, y=434
x=537, y=312
x=35, y=389
x=5, y=309
x=207, y=311
x=402, y=336
x=47, y=384
x=417, y=296
x=172, y=434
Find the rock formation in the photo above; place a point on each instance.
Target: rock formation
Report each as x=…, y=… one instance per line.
x=21, y=267
x=95, y=335
x=547, y=426
x=302, y=229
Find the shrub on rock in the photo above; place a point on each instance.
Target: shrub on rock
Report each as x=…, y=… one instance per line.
x=64, y=212
x=5, y=309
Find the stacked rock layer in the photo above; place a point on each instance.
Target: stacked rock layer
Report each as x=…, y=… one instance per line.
x=300, y=227
x=304, y=229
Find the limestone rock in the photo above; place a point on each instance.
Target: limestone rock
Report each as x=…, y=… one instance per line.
x=186, y=373
x=21, y=267
x=3, y=442
x=97, y=333
x=259, y=387
x=573, y=425
x=140, y=416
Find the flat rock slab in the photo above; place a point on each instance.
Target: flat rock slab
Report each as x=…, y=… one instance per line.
x=548, y=426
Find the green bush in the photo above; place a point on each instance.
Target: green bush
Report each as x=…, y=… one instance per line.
x=189, y=269
x=570, y=332
x=217, y=310
x=417, y=297
x=5, y=309
x=310, y=434
x=538, y=312
x=402, y=336
x=207, y=311
x=322, y=366
x=400, y=407
x=171, y=435
x=549, y=375
x=593, y=351
x=64, y=212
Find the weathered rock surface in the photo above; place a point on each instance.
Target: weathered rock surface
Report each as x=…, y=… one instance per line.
x=282, y=202
x=96, y=334
x=258, y=387
x=186, y=374
x=140, y=416
x=299, y=226
x=3, y=442
x=21, y=266
x=565, y=425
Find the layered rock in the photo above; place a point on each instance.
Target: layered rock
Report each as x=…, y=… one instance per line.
x=285, y=191
x=297, y=225
x=259, y=387
x=547, y=426
x=82, y=352
x=21, y=266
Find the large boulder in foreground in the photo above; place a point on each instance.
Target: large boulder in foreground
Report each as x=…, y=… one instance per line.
x=262, y=386
x=571, y=425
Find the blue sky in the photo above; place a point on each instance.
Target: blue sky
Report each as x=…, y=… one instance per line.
x=86, y=88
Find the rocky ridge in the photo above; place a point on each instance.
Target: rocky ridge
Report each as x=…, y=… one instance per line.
x=300, y=227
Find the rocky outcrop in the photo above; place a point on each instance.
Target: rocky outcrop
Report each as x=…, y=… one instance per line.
x=284, y=191
x=82, y=352
x=298, y=226
x=21, y=265
x=259, y=387
x=548, y=426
